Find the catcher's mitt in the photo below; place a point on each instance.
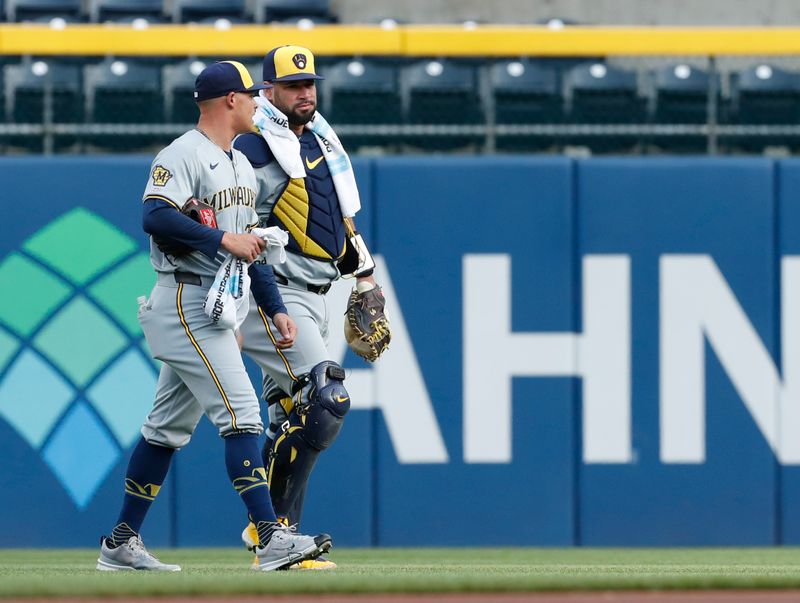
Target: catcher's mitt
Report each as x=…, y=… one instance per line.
x=197, y=211
x=366, y=327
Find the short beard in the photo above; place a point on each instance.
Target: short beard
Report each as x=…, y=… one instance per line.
x=297, y=120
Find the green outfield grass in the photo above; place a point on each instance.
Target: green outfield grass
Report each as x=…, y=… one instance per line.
x=225, y=571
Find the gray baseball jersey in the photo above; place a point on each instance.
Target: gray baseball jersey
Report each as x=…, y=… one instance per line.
x=203, y=370
x=193, y=166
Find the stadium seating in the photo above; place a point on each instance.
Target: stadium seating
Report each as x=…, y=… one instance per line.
x=763, y=95
x=117, y=10
x=448, y=104
x=525, y=92
x=604, y=94
x=362, y=92
x=55, y=21
x=27, y=86
x=223, y=21
x=184, y=11
x=442, y=92
x=254, y=66
x=601, y=94
x=681, y=96
x=123, y=91
x=266, y=11
x=179, y=104
x=27, y=10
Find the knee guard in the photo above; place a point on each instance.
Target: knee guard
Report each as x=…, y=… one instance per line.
x=322, y=413
x=312, y=426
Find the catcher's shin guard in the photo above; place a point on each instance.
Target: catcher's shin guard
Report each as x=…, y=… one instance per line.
x=312, y=426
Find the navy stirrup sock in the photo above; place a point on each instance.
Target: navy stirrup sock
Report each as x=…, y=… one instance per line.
x=248, y=475
x=147, y=470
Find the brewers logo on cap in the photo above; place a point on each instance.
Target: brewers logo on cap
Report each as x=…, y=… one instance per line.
x=289, y=63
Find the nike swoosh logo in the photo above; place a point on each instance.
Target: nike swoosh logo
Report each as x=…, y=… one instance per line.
x=342, y=399
x=314, y=163
x=213, y=166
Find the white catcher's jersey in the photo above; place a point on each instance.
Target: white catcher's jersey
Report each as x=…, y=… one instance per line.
x=193, y=166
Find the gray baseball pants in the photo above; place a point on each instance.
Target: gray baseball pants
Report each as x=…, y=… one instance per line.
x=203, y=372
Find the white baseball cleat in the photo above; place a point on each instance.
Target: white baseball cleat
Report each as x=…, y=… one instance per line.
x=286, y=548
x=130, y=556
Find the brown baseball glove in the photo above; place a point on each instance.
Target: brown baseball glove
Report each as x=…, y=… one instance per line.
x=197, y=211
x=366, y=327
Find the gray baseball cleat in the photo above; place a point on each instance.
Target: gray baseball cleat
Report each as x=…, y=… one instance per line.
x=130, y=555
x=286, y=548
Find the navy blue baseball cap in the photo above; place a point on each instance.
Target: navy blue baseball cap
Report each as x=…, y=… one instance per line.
x=289, y=64
x=218, y=79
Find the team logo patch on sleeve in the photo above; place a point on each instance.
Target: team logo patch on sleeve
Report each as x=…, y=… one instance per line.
x=161, y=175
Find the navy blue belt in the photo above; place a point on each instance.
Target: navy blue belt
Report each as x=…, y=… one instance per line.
x=187, y=278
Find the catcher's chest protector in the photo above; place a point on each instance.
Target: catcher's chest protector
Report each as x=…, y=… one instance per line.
x=309, y=208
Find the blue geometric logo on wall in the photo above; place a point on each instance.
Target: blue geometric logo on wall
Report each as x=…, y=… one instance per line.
x=76, y=381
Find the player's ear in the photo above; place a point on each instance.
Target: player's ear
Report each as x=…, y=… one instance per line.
x=230, y=100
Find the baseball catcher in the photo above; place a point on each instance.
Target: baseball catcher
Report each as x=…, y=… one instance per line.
x=304, y=170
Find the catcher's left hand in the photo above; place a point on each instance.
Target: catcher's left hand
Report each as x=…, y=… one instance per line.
x=366, y=327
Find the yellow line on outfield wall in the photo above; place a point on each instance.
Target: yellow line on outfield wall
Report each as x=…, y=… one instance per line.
x=602, y=41
x=184, y=40
x=410, y=40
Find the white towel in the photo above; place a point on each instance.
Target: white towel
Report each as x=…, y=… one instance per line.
x=227, y=300
x=276, y=240
x=283, y=143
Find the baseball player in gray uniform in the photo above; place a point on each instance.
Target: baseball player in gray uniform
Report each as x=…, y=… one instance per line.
x=203, y=371
x=302, y=385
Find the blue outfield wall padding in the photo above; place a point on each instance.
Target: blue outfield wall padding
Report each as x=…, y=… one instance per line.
x=788, y=232
x=689, y=209
x=65, y=487
x=431, y=213
x=589, y=352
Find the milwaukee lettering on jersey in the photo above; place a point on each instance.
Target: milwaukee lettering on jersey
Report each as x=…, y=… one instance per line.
x=230, y=197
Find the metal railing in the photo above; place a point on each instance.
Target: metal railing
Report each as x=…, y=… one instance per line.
x=487, y=134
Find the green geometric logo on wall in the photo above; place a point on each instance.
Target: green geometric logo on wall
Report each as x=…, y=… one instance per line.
x=76, y=379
